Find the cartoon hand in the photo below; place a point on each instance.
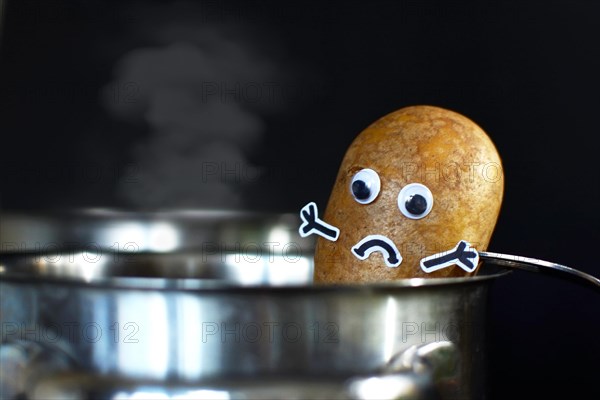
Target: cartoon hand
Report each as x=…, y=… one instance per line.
x=462, y=255
x=312, y=224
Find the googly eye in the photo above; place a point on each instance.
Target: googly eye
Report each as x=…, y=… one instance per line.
x=365, y=186
x=415, y=201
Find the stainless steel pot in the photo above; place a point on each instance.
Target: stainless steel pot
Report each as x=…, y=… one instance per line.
x=117, y=325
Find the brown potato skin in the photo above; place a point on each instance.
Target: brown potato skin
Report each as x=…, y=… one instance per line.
x=441, y=149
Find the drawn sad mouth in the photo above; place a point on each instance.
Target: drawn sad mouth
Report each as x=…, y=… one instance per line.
x=363, y=249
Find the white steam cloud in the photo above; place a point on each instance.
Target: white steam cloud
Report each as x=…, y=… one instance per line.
x=201, y=95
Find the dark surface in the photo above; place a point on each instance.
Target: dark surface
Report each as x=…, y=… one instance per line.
x=527, y=73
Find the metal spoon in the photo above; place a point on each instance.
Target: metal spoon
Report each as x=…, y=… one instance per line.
x=535, y=265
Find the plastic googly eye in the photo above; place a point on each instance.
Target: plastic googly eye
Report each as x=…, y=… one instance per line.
x=365, y=186
x=415, y=201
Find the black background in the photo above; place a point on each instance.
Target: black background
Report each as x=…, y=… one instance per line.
x=527, y=73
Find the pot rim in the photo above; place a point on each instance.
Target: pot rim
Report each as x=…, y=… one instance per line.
x=487, y=272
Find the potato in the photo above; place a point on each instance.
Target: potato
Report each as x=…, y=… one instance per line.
x=440, y=182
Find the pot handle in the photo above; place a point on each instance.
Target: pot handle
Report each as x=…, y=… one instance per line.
x=427, y=371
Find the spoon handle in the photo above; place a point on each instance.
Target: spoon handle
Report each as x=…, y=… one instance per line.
x=535, y=265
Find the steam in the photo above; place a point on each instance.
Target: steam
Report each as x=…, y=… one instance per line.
x=201, y=95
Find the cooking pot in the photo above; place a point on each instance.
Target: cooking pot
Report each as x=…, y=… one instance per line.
x=225, y=322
